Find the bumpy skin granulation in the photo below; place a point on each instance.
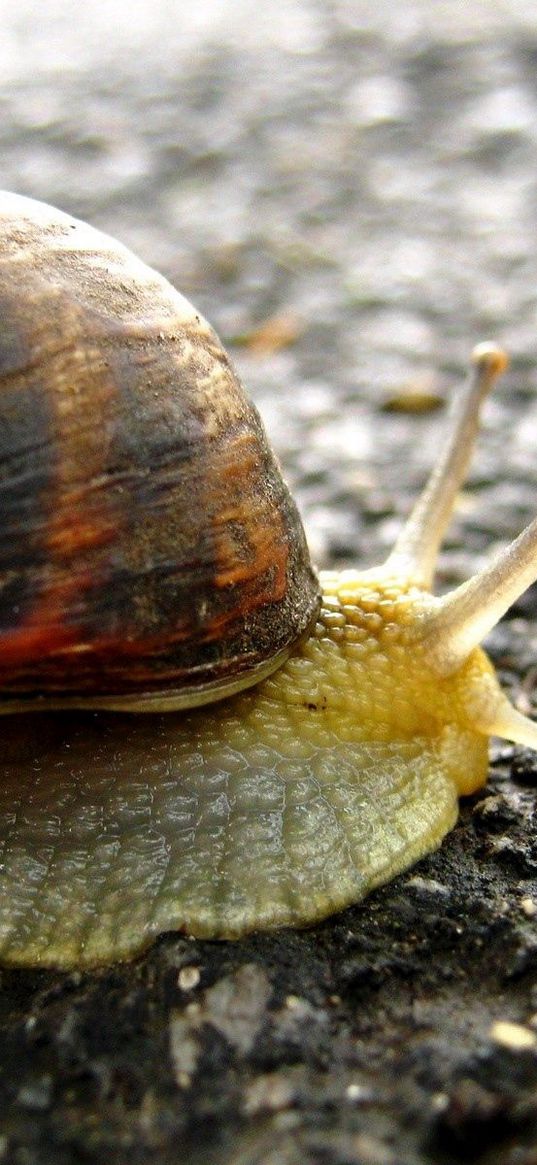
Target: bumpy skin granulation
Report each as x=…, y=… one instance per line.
x=273, y=808
x=367, y=669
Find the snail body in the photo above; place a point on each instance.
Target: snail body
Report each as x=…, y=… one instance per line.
x=345, y=727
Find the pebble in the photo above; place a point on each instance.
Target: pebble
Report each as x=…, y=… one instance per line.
x=514, y=1036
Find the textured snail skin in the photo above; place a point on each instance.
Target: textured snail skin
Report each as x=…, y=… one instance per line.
x=273, y=807
x=276, y=807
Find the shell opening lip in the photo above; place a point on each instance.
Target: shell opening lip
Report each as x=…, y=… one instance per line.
x=166, y=700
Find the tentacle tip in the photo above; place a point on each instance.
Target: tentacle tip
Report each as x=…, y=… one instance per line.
x=490, y=357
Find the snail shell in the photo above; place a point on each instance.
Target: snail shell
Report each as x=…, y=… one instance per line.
x=148, y=541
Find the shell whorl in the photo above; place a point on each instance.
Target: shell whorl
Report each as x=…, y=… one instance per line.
x=148, y=540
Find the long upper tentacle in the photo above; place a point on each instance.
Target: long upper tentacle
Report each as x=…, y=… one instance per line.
x=416, y=550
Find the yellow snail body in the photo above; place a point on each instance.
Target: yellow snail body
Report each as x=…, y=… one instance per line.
x=148, y=567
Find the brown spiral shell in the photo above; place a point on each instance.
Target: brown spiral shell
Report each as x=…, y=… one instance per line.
x=147, y=539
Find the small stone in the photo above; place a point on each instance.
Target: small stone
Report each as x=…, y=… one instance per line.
x=419, y=394
x=528, y=906
x=494, y=812
x=371, y=1151
x=513, y=1035
x=268, y=1093
x=236, y=1005
x=294, y=1003
x=468, y=1112
x=188, y=978
x=184, y=1049
x=37, y=1093
x=428, y=886
x=280, y=331
x=359, y=1093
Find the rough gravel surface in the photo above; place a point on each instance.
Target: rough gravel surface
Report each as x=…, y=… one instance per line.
x=348, y=190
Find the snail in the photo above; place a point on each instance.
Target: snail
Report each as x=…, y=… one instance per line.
x=303, y=740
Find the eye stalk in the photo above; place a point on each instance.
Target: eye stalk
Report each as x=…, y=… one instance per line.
x=415, y=553
x=458, y=623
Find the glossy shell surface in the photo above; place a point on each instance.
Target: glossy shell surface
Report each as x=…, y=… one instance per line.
x=147, y=538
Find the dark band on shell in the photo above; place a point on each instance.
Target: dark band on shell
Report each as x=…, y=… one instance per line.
x=147, y=538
